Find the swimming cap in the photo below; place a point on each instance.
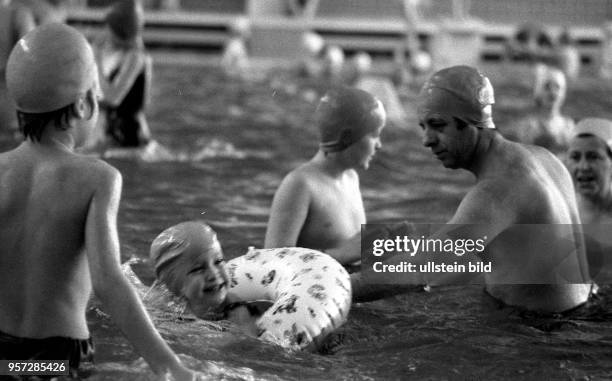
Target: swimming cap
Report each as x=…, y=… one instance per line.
x=362, y=62
x=312, y=43
x=602, y=128
x=458, y=91
x=173, y=242
x=126, y=19
x=344, y=115
x=49, y=68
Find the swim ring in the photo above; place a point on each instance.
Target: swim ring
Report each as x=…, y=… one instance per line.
x=310, y=291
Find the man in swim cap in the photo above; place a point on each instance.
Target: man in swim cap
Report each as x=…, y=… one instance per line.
x=318, y=205
x=522, y=205
x=58, y=213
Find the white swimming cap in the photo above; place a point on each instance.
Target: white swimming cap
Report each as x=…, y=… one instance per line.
x=49, y=68
x=602, y=128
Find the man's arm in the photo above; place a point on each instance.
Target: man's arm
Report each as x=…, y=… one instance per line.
x=288, y=213
x=482, y=213
x=113, y=289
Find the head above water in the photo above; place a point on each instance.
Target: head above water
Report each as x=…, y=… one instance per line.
x=598, y=127
x=550, y=86
x=126, y=19
x=461, y=92
x=188, y=260
x=345, y=115
x=50, y=68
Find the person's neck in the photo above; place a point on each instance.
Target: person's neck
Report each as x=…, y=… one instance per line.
x=57, y=140
x=549, y=112
x=486, y=140
x=331, y=163
x=599, y=201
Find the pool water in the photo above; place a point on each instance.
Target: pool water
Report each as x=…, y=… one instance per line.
x=233, y=142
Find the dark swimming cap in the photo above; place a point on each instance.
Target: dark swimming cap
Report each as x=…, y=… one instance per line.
x=458, y=91
x=49, y=68
x=126, y=19
x=344, y=115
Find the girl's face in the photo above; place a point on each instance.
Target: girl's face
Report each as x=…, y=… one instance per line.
x=206, y=280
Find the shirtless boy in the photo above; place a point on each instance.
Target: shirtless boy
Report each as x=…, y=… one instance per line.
x=515, y=185
x=319, y=204
x=58, y=213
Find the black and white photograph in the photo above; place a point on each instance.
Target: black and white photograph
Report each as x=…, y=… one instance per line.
x=289, y=190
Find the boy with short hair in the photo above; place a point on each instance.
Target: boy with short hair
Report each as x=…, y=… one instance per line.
x=58, y=213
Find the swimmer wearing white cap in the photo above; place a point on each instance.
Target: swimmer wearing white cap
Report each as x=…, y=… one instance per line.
x=58, y=212
x=318, y=205
x=515, y=185
x=589, y=160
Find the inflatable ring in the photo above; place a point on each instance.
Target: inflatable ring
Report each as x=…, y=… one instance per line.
x=310, y=291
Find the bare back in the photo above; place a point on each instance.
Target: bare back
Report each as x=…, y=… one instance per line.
x=537, y=244
x=44, y=273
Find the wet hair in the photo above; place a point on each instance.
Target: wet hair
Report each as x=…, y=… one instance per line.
x=586, y=135
x=33, y=125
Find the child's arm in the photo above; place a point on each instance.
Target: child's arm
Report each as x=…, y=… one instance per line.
x=113, y=289
x=288, y=213
x=115, y=91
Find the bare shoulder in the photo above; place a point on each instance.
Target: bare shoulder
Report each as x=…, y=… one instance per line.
x=95, y=172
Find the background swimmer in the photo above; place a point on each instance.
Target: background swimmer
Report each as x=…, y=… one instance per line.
x=318, y=205
x=235, y=57
x=547, y=126
x=125, y=72
x=589, y=160
x=59, y=212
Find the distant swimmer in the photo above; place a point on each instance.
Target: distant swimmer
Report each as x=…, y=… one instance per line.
x=547, y=126
x=522, y=205
x=125, y=71
x=58, y=211
x=589, y=160
x=15, y=21
x=318, y=205
x=235, y=58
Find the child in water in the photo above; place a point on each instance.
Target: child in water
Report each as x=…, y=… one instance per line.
x=318, y=205
x=58, y=211
x=291, y=296
x=125, y=72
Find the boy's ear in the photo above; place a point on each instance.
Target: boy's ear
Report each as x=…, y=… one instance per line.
x=85, y=105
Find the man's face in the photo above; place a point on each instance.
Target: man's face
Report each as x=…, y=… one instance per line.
x=590, y=166
x=451, y=145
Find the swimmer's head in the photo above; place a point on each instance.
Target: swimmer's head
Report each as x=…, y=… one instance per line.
x=345, y=115
x=334, y=59
x=589, y=158
x=550, y=86
x=312, y=43
x=126, y=19
x=240, y=27
x=50, y=70
x=362, y=62
x=461, y=92
x=188, y=259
